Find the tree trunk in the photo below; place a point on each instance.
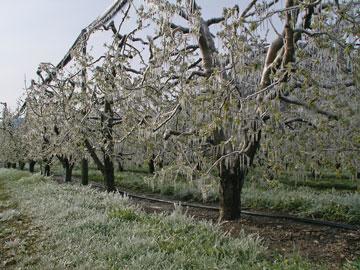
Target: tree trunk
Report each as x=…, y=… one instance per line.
x=68, y=167
x=108, y=174
x=84, y=172
x=151, y=165
x=108, y=171
x=232, y=172
x=32, y=166
x=84, y=161
x=21, y=165
x=13, y=165
x=68, y=170
x=231, y=183
x=47, y=170
x=68, y=173
x=8, y=165
x=120, y=166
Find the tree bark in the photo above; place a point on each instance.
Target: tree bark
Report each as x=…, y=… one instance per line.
x=21, y=165
x=120, y=166
x=68, y=173
x=231, y=183
x=151, y=164
x=68, y=169
x=108, y=171
x=84, y=161
x=84, y=172
x=94, y=155
x=232, y=172
x=46, y=169
x=32, y=166
x=108, y=174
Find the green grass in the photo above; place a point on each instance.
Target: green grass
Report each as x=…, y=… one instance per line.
x=131, y=178
x=308, y=198
x=327, y=204
x=323, y=183
x=18, y=236
x=85, y=229
x=306, y=202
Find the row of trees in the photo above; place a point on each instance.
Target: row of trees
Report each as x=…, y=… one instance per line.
x=173, y=87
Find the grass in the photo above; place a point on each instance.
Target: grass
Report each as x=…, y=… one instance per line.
x=305, y=197
x=329, y=204
x=85, y=229
x=19, y=237
x=306, y=202
x=323, y=183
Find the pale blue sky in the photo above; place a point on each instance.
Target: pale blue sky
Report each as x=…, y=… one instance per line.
x=34, y=31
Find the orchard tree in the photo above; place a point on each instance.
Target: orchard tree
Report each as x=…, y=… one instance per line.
x=227, y=96
x=13, y=150
x=318, y=117
x=63, y=104
x=207, y=93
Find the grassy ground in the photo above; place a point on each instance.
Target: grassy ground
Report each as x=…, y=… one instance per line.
x=330, y=197
x=19, y=238
x=79, y=228
x=325, y=181
x=306, y=202
x=328, y=204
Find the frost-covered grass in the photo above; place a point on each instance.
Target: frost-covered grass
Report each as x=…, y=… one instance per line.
x=325, y=179
x=324, y=183
x=302, y=201
x=17, y=234
x=13, y=175
x=328, y=205
x=85, y=229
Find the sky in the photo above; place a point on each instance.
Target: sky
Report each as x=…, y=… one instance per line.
x=35, y=31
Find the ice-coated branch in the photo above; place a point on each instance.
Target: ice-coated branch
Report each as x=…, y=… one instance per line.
x=296, y=101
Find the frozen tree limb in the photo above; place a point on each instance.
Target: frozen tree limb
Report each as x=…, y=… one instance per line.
x=296, y=101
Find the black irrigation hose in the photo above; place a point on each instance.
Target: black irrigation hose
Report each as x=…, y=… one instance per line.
x=249, y=213
x=244, y=212
x=305, y=220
